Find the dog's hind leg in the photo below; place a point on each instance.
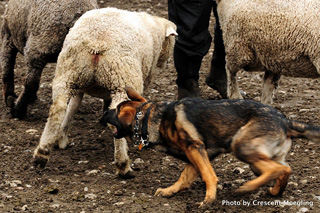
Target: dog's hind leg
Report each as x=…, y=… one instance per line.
x=188, y=175
x=270, y=170
x=281, y=183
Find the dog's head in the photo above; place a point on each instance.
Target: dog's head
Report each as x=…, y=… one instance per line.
x=123, y=117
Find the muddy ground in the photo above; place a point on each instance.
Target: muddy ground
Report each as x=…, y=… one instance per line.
x=82, y=177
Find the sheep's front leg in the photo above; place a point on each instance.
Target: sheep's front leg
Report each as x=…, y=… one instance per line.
x=52, y=132
x=269, y=87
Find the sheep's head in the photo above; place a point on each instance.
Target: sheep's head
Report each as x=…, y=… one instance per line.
x=167, y=44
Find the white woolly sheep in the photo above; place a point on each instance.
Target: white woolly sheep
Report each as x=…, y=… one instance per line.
x=277, y=37
x=36, y=29
x=106, y=50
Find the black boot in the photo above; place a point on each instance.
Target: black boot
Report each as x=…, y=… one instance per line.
x=188, y=74
x=189, y=89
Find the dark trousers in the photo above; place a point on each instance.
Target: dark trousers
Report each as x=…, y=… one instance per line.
x=194, y=40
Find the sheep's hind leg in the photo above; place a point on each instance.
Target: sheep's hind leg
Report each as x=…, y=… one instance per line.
x=269, y=88
x=73, y=107
x=8, y=57
x=53, y=132
x=121, y=157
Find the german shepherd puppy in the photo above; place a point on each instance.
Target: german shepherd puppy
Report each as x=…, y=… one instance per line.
x=199, y=130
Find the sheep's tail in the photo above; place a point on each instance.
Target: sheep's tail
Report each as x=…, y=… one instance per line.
x=302, y=130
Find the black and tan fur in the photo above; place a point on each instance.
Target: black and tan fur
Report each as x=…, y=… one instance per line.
x=199, y=130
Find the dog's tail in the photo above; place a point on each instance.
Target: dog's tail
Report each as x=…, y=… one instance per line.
x=302, y=130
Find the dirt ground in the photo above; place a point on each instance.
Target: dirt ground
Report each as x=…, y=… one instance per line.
x=82, y=177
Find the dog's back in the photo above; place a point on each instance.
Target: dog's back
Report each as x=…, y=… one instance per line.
x=217, y=122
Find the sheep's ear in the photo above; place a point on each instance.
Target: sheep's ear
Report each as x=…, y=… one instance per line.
x=171, y=31
x=134, y=95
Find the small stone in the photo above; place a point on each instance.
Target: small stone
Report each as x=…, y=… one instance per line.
x=55, y=206
x=316, y=197
x=24, y=208
x=154, y=91
x=118, y=203
x=90, y=196
x=95, y=171
x=238, y=170
x=303, y=181
x=32, y=131
x=304, y=209
x=118, y=193
x=293, y=183
x=138, y=161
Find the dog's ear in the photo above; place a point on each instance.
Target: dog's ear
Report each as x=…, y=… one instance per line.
x=134, y=95
x=126, y=116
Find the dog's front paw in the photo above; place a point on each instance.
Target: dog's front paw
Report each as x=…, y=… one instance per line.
x=275, y=191
x=163, y=192
x=202, y=204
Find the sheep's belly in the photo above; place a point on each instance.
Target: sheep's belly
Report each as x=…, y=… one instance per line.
x=97, y=91
x=302, y=68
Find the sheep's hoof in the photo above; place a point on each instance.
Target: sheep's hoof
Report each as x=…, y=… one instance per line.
x=129, y=175
x=41, y=161
x=16, y=113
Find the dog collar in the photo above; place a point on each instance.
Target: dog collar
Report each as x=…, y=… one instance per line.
x=142, y=139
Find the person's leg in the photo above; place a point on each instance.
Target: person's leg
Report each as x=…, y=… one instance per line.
x=192, y=20
x=217, y=77
x=188, y=73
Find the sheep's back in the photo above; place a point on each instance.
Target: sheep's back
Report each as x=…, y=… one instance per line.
x=284, y=34
x=46, y=21
x=111, y=30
